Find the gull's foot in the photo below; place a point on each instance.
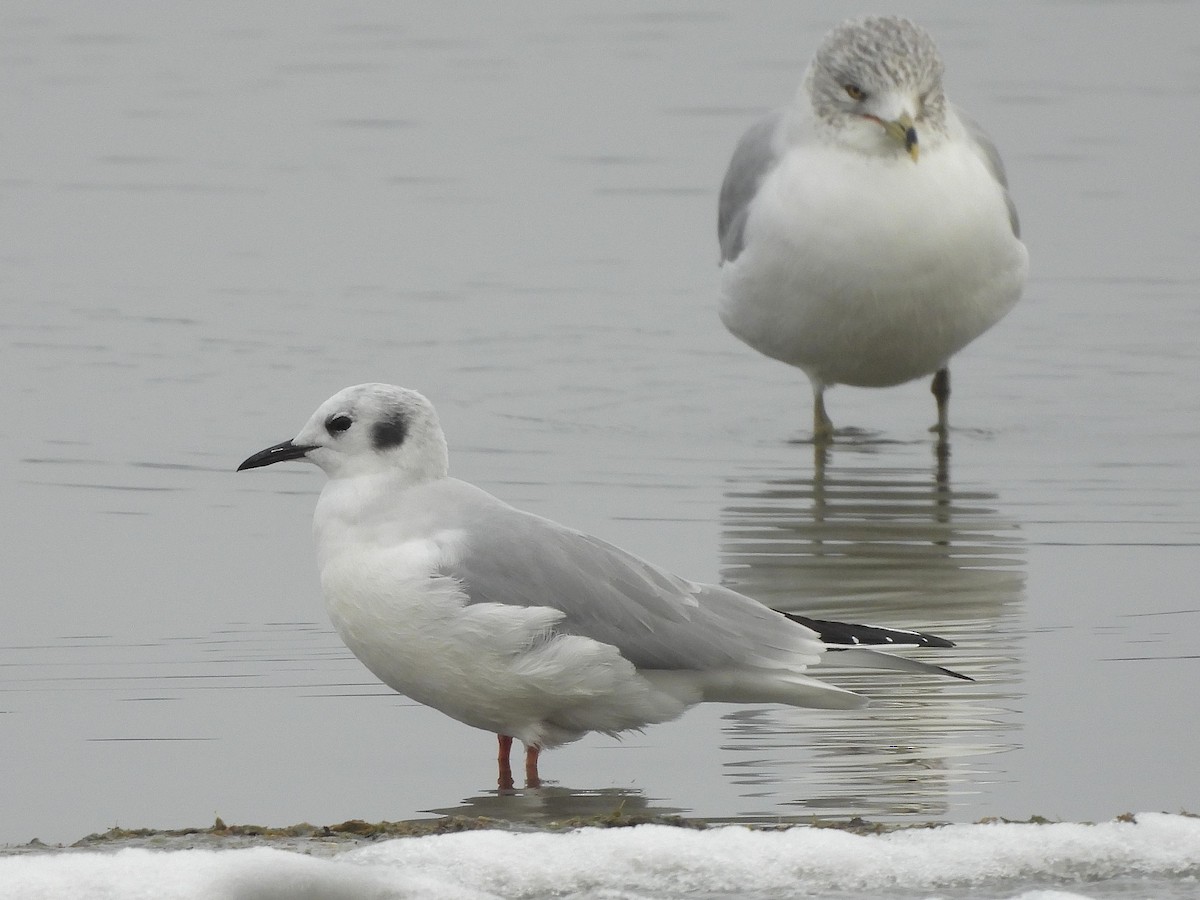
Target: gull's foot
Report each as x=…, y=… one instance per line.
x=844, y=437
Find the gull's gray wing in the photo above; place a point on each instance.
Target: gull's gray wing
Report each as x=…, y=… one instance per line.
x=656, y=620
x=755, y=156
x=987, y=151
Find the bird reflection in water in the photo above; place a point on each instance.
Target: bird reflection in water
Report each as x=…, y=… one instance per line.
x=554, y=803
x=853, y=539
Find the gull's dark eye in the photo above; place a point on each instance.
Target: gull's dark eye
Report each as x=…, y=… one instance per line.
x=338, y=424
x=854, y=92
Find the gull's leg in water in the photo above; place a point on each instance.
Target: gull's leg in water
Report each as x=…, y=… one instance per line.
x=822, y=427
x=940, y=388
x=532, y=778
x=505, y=781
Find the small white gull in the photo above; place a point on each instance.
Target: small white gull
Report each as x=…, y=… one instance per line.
x=517, y=625
x=866, y=230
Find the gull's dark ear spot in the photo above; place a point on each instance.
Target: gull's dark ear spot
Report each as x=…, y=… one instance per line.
x=389, y=431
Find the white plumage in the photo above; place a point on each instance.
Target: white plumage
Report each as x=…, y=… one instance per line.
x=512, y=623
x=866, y=230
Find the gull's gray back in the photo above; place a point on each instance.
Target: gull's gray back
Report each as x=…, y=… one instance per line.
x=755, y=156
x=991, y=158
x=656, y=620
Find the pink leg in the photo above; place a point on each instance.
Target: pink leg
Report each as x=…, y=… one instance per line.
x=532, y=778
x=505, y=781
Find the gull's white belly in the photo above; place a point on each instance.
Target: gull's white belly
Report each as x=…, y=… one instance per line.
x=493, y=666
x=872, y=272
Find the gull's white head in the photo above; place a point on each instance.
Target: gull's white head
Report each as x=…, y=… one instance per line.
x=368, y=429
x=876, y=83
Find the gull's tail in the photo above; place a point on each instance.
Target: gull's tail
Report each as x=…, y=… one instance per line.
x=856, y=645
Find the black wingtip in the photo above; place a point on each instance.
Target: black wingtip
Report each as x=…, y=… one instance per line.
x=849, y=634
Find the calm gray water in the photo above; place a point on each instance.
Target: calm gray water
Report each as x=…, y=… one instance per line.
x=216, y=215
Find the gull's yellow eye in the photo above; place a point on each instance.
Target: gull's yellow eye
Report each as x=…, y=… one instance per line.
x=854, y=92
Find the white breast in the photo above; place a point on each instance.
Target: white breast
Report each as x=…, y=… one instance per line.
x=495, y=666
x=873, y=271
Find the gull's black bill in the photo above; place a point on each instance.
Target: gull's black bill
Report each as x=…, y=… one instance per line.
x=279, y=453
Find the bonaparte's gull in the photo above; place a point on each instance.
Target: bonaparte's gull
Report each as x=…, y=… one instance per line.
x=866, y=230
x=517, y=625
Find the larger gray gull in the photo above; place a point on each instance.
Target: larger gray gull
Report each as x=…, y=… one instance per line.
x=866, y=229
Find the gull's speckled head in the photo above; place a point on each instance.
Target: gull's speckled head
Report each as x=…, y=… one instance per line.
x=883, y=73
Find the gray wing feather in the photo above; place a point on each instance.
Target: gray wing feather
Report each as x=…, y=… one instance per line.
x=754, y=157
x=990, y=155
x=655, y=619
